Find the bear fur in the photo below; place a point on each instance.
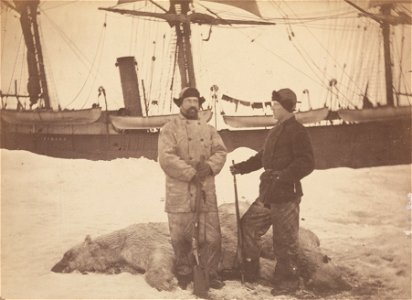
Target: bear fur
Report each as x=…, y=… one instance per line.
x=146, y=248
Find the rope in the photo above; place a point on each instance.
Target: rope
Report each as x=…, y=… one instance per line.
x=402, y=81
x=3, y=35
x=357, y=52
x=99, y=54
x=379, y=65
x=152, y=70
x=49, y=70
x=163, y=56
x=21, y=69
x=313, y=62
x=132, y=36
x=173, y=77
x=96, y=58
x=77, y=52
x=59, y=5
x=15, y=62
x=400, y=59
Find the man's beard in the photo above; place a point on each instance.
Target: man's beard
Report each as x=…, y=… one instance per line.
x=191, y=113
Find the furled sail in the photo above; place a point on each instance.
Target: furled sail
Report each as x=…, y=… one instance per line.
x=373, y=3
x=247, y=5
x=198, y=18
x=401, y=16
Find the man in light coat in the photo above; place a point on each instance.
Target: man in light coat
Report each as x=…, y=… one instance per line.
x=182, y=143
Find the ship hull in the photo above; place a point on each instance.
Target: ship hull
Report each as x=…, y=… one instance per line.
x=347, y=145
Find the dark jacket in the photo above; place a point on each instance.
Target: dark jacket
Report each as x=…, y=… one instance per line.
x=287, y=157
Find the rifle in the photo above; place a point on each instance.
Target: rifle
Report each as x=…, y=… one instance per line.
x=239, y=251
x=200, y=274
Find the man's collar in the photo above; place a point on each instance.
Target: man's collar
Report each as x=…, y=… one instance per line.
x=288, y=118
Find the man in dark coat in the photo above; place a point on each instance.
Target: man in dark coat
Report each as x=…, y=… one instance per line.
x=286, y=157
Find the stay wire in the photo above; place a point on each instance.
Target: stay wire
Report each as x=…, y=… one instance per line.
x=371, y=64
x=315, y=38
x=326, y=50
x=400, y=55
x=330, y=44
x=76, y=51
x=346, y=38
x=405, y=8
x=90, y=71
x=59, y=5
x=15, y=62
x=404, y=80
x=3, y=36
x=379, y=65
x=99, y=54
x=21, y=69
x=357, y=62
x=48, y=70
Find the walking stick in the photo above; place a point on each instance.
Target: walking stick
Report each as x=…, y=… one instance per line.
x=239, y=233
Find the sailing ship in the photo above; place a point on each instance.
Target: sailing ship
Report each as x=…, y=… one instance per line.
x=361, y=137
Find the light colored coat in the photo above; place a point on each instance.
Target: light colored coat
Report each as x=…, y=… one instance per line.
x=181, y=144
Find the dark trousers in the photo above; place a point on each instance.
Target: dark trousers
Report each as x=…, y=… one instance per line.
x=284, y=217
x=181, y=226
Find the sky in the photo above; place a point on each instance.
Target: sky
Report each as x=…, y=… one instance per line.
x=81, y=44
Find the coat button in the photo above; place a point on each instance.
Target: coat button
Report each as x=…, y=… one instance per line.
x=190, y=158
x=201, y=140
x=198, y=123
x=189, y=139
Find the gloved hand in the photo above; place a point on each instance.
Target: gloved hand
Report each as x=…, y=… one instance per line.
x=203, y=170
x=234, y=169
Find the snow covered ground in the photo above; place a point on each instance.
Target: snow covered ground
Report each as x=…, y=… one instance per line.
x=362, y=217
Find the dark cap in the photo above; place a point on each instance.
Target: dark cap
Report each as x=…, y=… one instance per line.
x=188, y=92
x=286, y=98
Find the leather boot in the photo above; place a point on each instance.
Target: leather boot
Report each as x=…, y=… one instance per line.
x=251, y=270
x=184, y=280
x=216, y=284
x=286, y=279
x=285, y=287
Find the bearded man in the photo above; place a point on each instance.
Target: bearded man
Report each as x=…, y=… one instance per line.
x=190, y=150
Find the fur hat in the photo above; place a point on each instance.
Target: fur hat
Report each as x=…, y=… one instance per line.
x=286, y=98
x=188, y=92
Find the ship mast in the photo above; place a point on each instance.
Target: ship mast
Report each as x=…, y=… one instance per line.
x=385, y=19
x=180, y=16
x=37, y=83
x=184, y=48
x=386, y=11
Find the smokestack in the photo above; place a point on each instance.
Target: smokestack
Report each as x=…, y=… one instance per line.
x=130, y=87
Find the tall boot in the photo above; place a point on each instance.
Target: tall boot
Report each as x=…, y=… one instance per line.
x=286, y=279
x=252, y=268
x=184, y=280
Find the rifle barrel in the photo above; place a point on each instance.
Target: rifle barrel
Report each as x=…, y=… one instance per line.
x=239, y=231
